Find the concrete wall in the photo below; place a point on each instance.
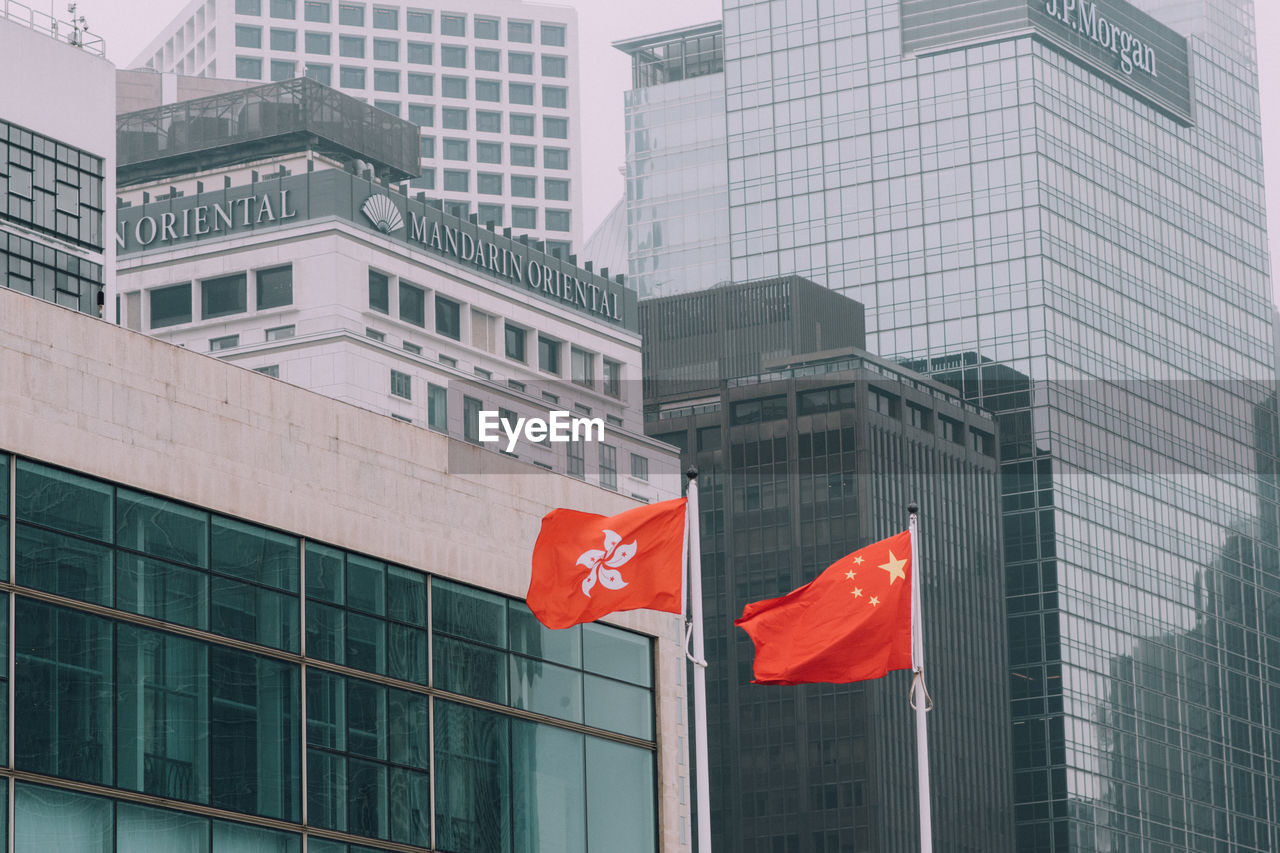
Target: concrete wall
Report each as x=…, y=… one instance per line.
x=85, y=394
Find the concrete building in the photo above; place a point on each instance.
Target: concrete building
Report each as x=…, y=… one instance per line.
x=243, y=616
x=56, y=165
x=244, y=233
x=494, y=89
x=804, y=457
x=1072, y=192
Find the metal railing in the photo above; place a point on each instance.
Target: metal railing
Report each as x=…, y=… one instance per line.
x=73, y=32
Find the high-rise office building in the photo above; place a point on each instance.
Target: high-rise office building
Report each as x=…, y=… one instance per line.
x=493, y=88
x=804, y=457
x=57, y=165
x=1072, y=191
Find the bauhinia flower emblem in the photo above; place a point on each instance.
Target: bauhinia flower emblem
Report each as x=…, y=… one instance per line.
x=604, y=564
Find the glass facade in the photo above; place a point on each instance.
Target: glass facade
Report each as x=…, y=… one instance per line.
x=1003, y=210
x=233, y=688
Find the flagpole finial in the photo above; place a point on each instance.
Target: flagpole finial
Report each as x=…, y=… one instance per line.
x=692, y=473
x=913, y=508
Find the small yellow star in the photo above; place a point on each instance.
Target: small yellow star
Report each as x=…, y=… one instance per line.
x=857, y=592
x=894, y=568
x=857, y=561
x=850, y=574
x=874, y=601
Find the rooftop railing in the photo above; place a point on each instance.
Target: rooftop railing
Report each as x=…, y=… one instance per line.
x=73, y=32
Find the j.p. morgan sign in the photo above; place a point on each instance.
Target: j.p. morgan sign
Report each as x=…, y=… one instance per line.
x=1091, y=21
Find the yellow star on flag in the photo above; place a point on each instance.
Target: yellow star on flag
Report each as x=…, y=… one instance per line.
x=857, y=592
x=857, y=560
x=874, y=601
x=895, y=568
x=850, y=574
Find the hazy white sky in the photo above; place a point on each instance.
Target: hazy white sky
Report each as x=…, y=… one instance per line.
x=128, y=26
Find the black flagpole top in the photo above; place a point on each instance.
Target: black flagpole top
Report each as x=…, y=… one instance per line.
x=913, y=508
x=692, y=473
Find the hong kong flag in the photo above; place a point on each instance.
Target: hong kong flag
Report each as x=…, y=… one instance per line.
x=586, y=566
x=850, y=623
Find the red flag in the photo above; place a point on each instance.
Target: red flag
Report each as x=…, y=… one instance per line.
x=586, y=566
x=851, y=623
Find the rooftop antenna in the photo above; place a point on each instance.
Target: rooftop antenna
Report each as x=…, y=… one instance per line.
x=79, y=28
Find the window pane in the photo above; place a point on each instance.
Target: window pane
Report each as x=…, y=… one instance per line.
x=387, y=50
x=255, y=554
x=385, y=18
x=632, y=823
x=351, y=78
x=531, y=637
x=318, y=43
x=470, y=670
x=519, y=63
x=524, y=217
x=437, y=408
x=420, y=53
x=351, y=14
x=473, y=776
x=320, y=73
x=555, y=96
x=520, y=31
x=556, y=190
x=275, y=287
x=170, y=305
x=549, y=799
x=618, y=707
x=553, y=35
x=351, y=46
x=52, y=819
x=413, y=304
x=246, y=612
x=379, y=292
x=222, y=296
x=553, y=66
x=241, y=838
x=386, y=81
x=452, y=56
x=316, y=10
x=248, y=36
x=284, y=40
x=489, y=152
x=417, y=21
x=64, y=501
x=420, y=84
x=281, y=70
x=162, y=591
x=618, y=654
x=523, y=155
x=64, y=565
x=547, y=689
x=448, y=316
x=453, y=25
x=143, y=828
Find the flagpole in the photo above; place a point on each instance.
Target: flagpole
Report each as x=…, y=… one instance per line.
x=919, y=694
x=702, y=792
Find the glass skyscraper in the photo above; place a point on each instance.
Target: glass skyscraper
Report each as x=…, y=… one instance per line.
x=1072, y=192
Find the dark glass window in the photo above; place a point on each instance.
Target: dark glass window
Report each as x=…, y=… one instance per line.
x=351, y=14
x=318, y=43
x=609, y=466
x=612, y=378
x=456, y=149
x=386, y=81
x=379, y=292
x=555, y=189
x=351, y=78
x=170, y=305
x=515, y=342
x=489, y=183
x=247, y=36
x=320, y=73
x=287, y=9
x=553, y=66
x=489, y=152
x=352, y=46
x=488, y=121
x=555, y=158
x=520, y=124
x=553, y=34
x=422, y=115
x=555, y=96
x=448, y=318
x=316, y=10
x=456, y=180
x=524, y=217
x=417, y=21
x=471, y=419
x=758, y=411
x=248, y=68
x=520, y=31
x=401, y=385
x=386, y=50
x=413, y=304
x=420, y=84
x=485, y=28
x=275, y=287
x=386, y=18
x=453, y=25
x=519, y=63
x=284, y=39
x=453, y=87
x=453, y=118
x=555, y=128
x=557, y=220
x=437, y=408
x=548, y=355
x=488, y=60
x=453, y=56
x=420, y=53
x=222, y=296
x=520, y=93
x=282, y=70
x=523, y=155
x=524, y=187
x=487, y=214
x=426, y=146
x=248, y=7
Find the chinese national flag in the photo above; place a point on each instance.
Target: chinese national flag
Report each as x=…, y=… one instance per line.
x=586, y=566
x=851, y=623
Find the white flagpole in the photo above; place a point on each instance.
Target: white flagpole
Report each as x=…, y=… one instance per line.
x=919, y=694
x=702, y=792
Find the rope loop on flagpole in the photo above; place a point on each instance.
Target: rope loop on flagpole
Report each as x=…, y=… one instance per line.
x=928, y=697
x=688, y=638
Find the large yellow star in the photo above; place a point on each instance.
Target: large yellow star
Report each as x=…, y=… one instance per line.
x=850, y=574
x=874, y=601
x=857, y=592
x=894, y=568
x=857, y=561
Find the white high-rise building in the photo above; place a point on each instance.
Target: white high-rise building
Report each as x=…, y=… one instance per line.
x=493, y=87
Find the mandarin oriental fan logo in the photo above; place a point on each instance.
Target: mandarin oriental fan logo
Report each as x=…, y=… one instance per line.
x=382, y=212
x=604, y=564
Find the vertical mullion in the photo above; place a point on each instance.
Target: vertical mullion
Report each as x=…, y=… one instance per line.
x=302, y=646
x=431, y=711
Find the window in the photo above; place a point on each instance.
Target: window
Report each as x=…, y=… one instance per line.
x=555, y=189
x=612, y=378
x=521, y=124
x=392, y=107
x=316, y=10
x=385, y=18
x=882, y=402
x=553, y=66
x=281, y=70
x=453, y=87
x=224, y=342
x=401, y=385
x=419, y=53
x=170, y=305
x=456, y=149
x=352, y=46
x=555, y=128
x=422, y=115
x=471, y=419
x=320, y=73
x=453, y=25
x=413, y=304
x=557, y=220
x=487, y=60
x=548, y=355
x=275, y=287
x=457, y=209
x=317, y=43
x=609, y=466
x=425, y=181
x=286, y=40
x=557, y=248
x=576, y=460
x=555, y=96
x=485, y=28
x=639, y=467
x=375, y=335
x=521, y=31
x=272, y=370
x=386, y=50
x=248, y=7
x=379, y=292
x=287, y=9
x=351, y=78
x=951, y=430
x=280, y=333
x=448, y=362
x=488, y=121
x=489, y=183
x=523, y=155
x=224, y=295
x=448, y=318
x=420, y=84
x=515, y=341
x=459, y=182
x=555, y=158
x=488, y=152
x=248, y=36
x=413, y=349
x=520, y=93
x=453, y=118
x=519, y=63
x=488, y=90
x=582, y=367
x=417, y=21
x=524, y=217
x=524, y=187
x=437, y=408
x=920, y=417
x=426, y=146
x=351, y=14
x=248, y=68
x=489, y=214
x=757, y=411
x=483, y=374
x=553, y=35
x=386, y=81
x=452, y=56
